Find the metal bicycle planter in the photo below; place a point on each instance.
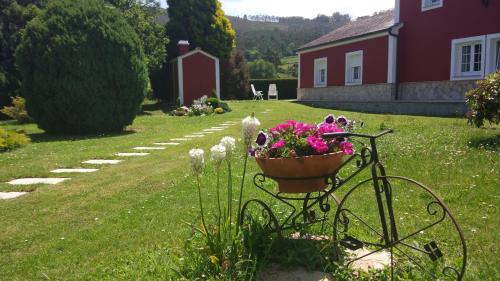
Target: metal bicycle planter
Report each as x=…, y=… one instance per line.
x=394, y=214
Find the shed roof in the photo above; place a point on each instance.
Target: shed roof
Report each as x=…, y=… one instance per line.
x=362, y=26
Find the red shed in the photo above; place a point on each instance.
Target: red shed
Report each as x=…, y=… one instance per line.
x=193, y=74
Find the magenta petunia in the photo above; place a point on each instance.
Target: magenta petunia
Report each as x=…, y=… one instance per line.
x=346, y=147
x=279, y=144
x=317, y=144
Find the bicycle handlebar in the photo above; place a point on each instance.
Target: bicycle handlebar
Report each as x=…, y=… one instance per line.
x=345, y=135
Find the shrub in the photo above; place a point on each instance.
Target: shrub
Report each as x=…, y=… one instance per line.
x=213, y=102
x=219, y=110
x=261, y=69
x=234, y=77
x=83, y=68
x=484, y=101
x=10, y=140
x=17, y=111
x=225, y=106
x=287, y=87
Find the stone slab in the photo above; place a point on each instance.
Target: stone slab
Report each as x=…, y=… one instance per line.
x=180, y=139
x=11, y=195
x=166, y=143
x=218, y=128
x=75, y=170
x=131, y=154
x=29, y=181
x=102, y=162
x=149, y=148
x=194, y=136
x=208, y=130
x=378, y=260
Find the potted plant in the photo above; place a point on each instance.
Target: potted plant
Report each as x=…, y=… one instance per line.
x=296, y=156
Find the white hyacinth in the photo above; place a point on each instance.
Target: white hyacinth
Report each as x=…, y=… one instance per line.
x=250, y=125
x=197, y=160
x=229, y=144
x=218, y=153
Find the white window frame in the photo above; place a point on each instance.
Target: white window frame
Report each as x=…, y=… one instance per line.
x=491, y=52
x=316, y=61
x=456, y=44
x=427, y=6
x=348, y=80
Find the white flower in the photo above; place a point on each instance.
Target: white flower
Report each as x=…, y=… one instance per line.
x=229, y=144
x=250, y=125
x=197, y=160
x=218, y=153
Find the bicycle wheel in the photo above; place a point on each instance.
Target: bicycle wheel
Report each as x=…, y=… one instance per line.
x=421, y=237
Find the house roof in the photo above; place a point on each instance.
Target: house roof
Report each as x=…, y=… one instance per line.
x=358, y=28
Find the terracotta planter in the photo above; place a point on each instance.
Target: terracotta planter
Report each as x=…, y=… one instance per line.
x=289, y=173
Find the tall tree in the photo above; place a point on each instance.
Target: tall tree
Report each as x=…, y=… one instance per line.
x=14, y=15
x=235, y=77
x=203, y=23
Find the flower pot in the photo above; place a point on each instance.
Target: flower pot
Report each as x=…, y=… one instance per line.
x=301, y=174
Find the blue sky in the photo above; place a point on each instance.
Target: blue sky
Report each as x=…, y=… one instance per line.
x=307, y=8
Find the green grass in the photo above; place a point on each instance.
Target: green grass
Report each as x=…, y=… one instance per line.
x=127, y=221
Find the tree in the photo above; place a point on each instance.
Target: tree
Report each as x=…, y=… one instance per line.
x=203, y=24
x=14, y=15
x=261, y=69
x=83, y=68
x=235, y=76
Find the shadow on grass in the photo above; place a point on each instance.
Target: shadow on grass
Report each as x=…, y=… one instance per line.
x=165, y=107
x=485, y=142
x=46, y=137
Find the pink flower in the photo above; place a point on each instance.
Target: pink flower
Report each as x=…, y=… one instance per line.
x=346, y=147
x=279, y=144
x=302, y=129
x=317, y=144
x=329, y=128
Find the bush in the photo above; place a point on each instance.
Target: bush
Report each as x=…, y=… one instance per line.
x=219, y=110
x=10, y=140
x=17, y=111
x=287, y=87
x=83, y=68
x=213, y=102
x=225, y=106
x=234, y=77
x=484, y=101
x=261, y=69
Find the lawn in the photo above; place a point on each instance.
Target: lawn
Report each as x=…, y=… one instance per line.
x=126, y=221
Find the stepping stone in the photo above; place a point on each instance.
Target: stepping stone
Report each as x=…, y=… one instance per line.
x=102, y=162
x=218, y=128
x=131, y=154
x=194, y=136
x=29, y=181
x=208, y=130
x=181, y=139
x=377, y=261
x=78, y=170
x=10, y=195
x=201, y=133
x=149, y=148
x=166, y=143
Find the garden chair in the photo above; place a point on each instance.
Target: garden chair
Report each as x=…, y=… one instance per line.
x=257, y=95
x=273, y=92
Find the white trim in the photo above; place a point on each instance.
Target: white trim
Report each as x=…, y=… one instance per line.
x=335, y=44
x=217, y=78
x=424, y=8
x=392, y=59
x=491, y=39
x=325, y=59
x=348, y=68
x=298, y=73
x=454, y=44
x=397, y=6
x=180, y=77
x=195, y=51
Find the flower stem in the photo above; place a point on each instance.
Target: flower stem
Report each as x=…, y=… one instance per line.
x=201, y=208
x=241, y=192
x=229, y=196
x=218, y=199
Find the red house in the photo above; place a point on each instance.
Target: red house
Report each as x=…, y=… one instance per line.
x=419, y=58
x=193, y=74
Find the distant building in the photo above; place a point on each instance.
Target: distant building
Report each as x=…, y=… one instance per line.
x=419, y=58
x=193, y=74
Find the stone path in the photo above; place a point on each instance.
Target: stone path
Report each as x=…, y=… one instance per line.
x=149, y=148
x=131, y=154
x=102, y=162
x=29, y=181
x=76, y=170
x=376, y=261
x=11, y=195
x=166, y=143
x=194, y=136
x=208, y=130
x=180, y=139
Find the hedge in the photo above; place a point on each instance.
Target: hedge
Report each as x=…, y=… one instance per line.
x=287, y=87
x=83, y=68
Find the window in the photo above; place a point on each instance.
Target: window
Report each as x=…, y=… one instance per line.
x=497, y=64
x=468, y=58
x=431, y=4
x=492, y=53
x=354, y=68
x=320, y=72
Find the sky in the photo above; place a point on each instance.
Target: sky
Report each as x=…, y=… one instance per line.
x=304, y=8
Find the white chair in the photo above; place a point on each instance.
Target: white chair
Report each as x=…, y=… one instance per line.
x=257, y=95
x=273, y=92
